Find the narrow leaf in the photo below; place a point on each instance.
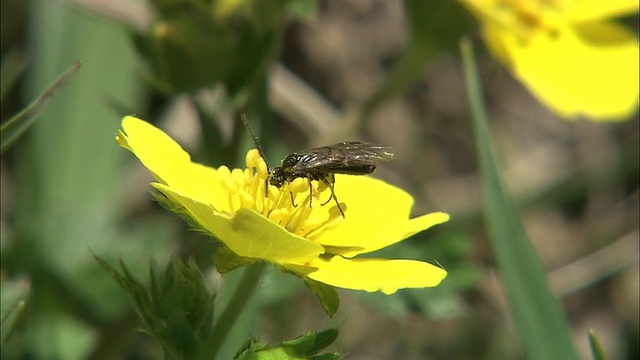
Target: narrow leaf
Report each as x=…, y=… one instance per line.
x=9, y=322
x=19, y=123
x=596, y=349
x=541, y=325
x=13, y=65
x=14, y=297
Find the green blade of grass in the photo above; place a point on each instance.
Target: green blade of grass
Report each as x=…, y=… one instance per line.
x=542, y=327
x=19, y=123
x=597, y=352
x=14, y=297
x=13, y=66
x=70, y=188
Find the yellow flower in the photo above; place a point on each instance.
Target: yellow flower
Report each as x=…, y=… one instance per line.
x=567, y=52
x=314, y=242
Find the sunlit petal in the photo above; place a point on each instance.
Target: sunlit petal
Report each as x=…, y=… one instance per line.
x=249, y=234
x=376, y=274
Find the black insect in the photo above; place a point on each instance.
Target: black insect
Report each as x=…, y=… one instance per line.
x=322, y=163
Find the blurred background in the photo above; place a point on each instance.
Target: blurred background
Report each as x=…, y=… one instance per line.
x=306, y=73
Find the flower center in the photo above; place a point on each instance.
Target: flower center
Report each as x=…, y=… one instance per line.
x=290, y=206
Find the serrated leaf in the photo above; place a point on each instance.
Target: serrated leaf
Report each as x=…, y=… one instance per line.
x=131, y=285
x=312, y=343
x=19, y=123
x=251, y=346
x=176, y=308
x=541, y=325
x=326, y=294
x=303, y=347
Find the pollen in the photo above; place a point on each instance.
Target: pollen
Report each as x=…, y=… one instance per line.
x=291, y=206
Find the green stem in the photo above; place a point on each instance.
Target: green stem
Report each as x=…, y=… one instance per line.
x=239, y=299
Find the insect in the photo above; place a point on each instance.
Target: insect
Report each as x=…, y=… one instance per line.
x=322, y=163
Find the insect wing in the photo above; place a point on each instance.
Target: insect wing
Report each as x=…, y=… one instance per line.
x=346, y=157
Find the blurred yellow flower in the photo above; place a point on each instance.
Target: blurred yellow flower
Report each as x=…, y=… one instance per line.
x=314, y=242
x=568, y=53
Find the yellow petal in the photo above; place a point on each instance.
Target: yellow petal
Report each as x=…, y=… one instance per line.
x=590, y=10
x=155, y=149
x=369, y=199
x=573, y=74
x=376, y=274
x=372, y=204
x=423, y=222
x=170, y=164
x=391, y=234
x=377, y=216
x=248, y=233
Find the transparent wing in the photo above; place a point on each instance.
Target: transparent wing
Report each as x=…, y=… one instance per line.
x=353, y=157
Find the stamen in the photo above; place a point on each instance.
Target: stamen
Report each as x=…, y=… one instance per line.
x=279, y=216
x=251, y=186
x=237, y=175
x=311, y=225
x=245, y=188
x=247, y=200
x=227, y=183
x=298, y=217
x=335, y=219
x=299, y=185
x=254, y=161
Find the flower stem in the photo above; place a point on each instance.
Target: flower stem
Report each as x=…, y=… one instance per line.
x=238, y=300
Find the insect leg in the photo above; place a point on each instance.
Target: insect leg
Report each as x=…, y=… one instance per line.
x=333, y=195
x=328, y=180
x=292, y=201
x=310, y=190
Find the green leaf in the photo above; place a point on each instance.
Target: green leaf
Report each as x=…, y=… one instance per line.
x=176, y=308
x=14, y=296
x=312, y=343
x=13, y=65
x=303, y=347
x=251, y=346
x=9, y=320
x=596, y=349
x=226, y=260
x=541, y=325
x=69, y=177
x=303, y=9
x=188, y=48
x=326, y=294
x=19, y=123
x=326, y=356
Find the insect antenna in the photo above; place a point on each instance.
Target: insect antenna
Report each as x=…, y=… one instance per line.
x=260, y=151
x=255, y=139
